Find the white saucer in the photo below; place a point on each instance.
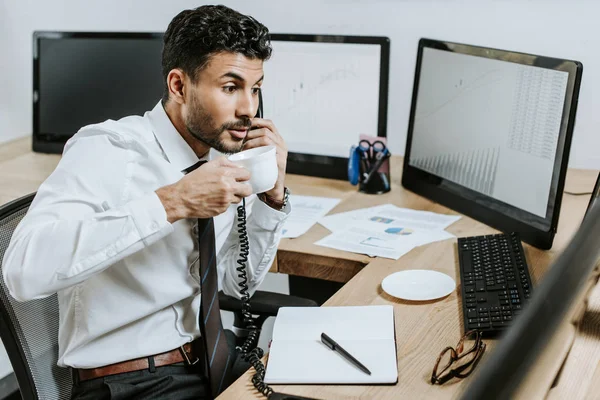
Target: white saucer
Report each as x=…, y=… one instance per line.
x=418, y=284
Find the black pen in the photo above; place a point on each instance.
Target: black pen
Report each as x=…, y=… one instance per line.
x=329, y=342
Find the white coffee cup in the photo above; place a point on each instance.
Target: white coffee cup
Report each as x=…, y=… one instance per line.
x=262, y=164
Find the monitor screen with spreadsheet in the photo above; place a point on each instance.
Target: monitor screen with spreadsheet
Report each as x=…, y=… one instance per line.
x=489, y=134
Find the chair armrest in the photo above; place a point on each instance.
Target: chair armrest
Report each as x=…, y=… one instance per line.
x=264, y=303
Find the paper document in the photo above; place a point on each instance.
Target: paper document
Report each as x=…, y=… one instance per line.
x=306, y=211
x=391, y=215
x=385, y=230
x=297, y=354
x=379, y=242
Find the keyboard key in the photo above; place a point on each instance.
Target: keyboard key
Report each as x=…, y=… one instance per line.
x=466, y=261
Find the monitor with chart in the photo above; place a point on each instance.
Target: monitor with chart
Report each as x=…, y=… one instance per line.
x=81, y=78
x=489, y=134
x=323, y=91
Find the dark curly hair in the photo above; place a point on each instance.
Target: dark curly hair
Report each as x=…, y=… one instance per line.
x=193, y=36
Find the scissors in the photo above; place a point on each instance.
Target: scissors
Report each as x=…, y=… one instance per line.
x=372, y=151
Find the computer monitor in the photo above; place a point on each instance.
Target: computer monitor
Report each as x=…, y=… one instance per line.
x=501, y=375
x=81, y=78
x=323, y=91
x=489, y=134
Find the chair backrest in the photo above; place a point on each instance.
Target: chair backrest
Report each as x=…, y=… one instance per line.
x=29, y=330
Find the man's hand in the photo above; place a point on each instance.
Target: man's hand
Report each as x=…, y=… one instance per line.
x=206, y=192
x=266, y=134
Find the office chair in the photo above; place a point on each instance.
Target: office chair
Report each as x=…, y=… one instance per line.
x=29, y=330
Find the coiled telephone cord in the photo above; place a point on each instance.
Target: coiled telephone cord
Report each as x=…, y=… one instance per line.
x=249, y=351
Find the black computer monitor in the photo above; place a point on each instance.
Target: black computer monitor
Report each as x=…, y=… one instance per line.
x=501, y=375
x=81, y=78
x=323, y=91
x=489, y=134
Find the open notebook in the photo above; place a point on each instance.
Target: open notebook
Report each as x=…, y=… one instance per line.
x=298, y=356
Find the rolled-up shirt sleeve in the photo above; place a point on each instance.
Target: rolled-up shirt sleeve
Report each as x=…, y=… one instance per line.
x=78, y=224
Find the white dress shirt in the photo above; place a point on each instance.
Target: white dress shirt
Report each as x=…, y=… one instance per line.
x=97, y=234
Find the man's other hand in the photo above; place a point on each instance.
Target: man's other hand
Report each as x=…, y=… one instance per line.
x=265, y=133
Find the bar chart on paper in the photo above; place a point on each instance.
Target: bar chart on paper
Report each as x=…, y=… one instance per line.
x=475, y=169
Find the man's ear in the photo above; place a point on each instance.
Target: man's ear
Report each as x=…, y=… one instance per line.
x=175, y=83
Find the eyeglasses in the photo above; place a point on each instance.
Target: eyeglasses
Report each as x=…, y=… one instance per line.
x=464, y=360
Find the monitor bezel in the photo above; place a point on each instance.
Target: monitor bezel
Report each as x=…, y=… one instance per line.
x=595, y=194
x=334, y=167
x=449, y=193
x=49, y=143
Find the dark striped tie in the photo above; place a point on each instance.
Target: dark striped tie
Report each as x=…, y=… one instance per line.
x=211, y=327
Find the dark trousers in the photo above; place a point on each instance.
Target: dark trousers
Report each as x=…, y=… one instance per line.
x=171, y=382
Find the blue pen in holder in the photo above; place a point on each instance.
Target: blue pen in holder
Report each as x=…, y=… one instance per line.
x=368, y=166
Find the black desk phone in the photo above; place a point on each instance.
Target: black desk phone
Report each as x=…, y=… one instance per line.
x=249, y=351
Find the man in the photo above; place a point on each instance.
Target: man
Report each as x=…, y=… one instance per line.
x=112, y=230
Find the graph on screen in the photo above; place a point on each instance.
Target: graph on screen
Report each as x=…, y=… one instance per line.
x=322, y=95
x=489, y=125
x=474, y=169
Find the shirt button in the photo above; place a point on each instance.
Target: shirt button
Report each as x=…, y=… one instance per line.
x=154, y=226
x=111, y=252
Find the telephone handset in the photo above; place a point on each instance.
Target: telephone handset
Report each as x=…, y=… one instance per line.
x=249, y=351
x=259, y=112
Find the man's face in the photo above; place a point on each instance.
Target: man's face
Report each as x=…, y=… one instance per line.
x=223, y=100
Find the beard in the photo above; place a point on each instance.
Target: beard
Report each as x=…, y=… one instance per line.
x=201, y=125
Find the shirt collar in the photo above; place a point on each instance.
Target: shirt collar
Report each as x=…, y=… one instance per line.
x=178, y=152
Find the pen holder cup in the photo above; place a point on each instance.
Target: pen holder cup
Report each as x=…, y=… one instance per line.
x=379, y=181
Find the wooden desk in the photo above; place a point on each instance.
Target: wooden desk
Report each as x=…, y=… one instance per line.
x=300, y=256
x=423, y=329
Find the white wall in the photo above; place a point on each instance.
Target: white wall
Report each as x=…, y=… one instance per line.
x=559, y=28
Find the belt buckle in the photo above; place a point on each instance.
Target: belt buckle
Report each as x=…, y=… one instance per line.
x=187, y=357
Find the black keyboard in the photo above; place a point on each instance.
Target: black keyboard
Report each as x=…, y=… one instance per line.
x=495, y=281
